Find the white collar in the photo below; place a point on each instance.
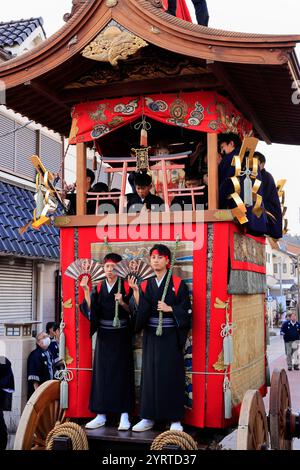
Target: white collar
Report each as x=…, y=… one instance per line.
x=110, y=287
x=159, y=282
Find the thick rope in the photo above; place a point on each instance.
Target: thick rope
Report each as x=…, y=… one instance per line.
x=71, y=430
x=177, y=438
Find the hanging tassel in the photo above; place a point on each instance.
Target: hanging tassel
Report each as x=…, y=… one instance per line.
x=116, y=322
x=144, y=138
x=64, y=395
x=227, y=398
x=95, y=163
x=228, y=350
x=62, y=345
x=248, y=196
x=159, y=327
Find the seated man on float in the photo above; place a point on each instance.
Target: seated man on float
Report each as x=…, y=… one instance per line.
x=143, y=198
x=71, y=194
x=184, y=201
x=105, y=206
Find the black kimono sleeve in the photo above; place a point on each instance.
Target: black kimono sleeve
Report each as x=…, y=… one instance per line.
x=34, y=372
x=140, y=313
x=182, y=310
x=91, y=313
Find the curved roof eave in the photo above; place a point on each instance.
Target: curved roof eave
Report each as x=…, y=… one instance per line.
x=154, y=26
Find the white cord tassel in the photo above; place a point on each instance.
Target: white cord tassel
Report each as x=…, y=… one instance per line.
x=227, y=398
x=248, y=196
x=228, y=350
x=62, y=346
x=64, y=376
x=64, y=395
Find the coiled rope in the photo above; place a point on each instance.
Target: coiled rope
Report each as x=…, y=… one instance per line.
x=178, y=438
x=71, y=430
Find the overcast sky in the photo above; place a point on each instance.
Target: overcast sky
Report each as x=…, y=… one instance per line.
x=259, y=16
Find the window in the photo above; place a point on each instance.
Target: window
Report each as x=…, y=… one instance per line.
x=284, y=268
x=275, y=268
x=292, y=268
x=19, y=143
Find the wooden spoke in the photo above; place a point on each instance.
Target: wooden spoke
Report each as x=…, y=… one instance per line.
x=40, y=414
x=253, y=427
x=280, y=403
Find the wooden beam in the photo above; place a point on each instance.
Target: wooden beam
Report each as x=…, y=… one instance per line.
x=44, y=91
x=186, y=82
x=212, y=162
x=236, y=95
x=81, y=179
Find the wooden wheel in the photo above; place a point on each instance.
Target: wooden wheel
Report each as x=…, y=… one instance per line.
x=253, y=426
x=280, y=404
x=40, y=414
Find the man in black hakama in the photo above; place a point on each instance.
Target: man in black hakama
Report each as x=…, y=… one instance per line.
x=271, y=200
x=163, y=375
x=113, y=380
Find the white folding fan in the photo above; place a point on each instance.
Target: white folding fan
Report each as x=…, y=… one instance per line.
x=86, y=267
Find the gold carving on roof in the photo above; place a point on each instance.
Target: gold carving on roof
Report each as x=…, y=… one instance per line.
x=111, y=3
x=113, y=45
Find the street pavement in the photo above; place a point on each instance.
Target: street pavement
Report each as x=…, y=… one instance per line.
x=276, y=355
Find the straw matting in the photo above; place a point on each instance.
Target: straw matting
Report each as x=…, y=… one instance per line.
x=248, y=345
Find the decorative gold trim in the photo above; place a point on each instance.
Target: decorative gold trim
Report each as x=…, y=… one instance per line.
x=223, y=215
x=113, y=45
x=62, y=221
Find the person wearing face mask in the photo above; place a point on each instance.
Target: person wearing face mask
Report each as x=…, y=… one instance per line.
x=40, y=367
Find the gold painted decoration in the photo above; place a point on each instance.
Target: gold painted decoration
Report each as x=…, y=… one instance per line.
x=281, y=193
x=219, y=365
x=68, y=304
x=251, y=184
x=111, y=3
x=113, y=45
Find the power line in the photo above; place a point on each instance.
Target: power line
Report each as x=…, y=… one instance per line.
x=16, y=130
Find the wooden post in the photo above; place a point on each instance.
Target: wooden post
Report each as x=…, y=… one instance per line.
x=212, y=163
x=165, y=185
x=81, y=179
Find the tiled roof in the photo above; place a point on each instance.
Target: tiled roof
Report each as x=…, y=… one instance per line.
x=16, y=32
x=16, y=209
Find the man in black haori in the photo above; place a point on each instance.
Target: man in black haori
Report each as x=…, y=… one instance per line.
x=113, y=381
x=143, y=199
x=163, y=375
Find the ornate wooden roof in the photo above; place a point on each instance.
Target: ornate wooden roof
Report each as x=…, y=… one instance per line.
x=255, y=70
